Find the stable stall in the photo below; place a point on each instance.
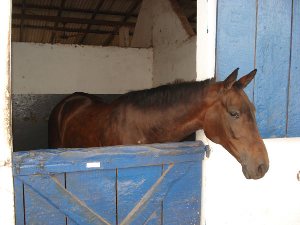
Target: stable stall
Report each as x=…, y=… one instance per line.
x=152, y=43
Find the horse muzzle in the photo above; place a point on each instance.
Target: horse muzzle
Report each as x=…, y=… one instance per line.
x=255, y=172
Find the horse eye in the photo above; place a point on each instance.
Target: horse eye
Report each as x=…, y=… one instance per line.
x=234, y=114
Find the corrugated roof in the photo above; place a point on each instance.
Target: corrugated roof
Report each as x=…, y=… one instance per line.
x=79, y=21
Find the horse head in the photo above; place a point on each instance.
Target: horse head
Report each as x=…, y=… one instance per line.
x=230, y=121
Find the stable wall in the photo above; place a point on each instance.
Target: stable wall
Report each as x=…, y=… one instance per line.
x=231, y=199
x=163, y=26
x=174, y=44
x=175, y=62
x=64, y=69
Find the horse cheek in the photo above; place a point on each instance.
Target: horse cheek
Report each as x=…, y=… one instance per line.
x=212, y=128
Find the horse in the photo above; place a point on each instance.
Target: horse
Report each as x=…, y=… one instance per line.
x=167, y=113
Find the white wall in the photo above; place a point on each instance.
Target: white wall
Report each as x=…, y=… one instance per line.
x=63, y=69
x=161, y=24
x=174, y=62
x=174, y=44
x=275, y=199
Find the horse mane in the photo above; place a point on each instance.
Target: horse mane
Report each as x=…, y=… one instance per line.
x=165, y=95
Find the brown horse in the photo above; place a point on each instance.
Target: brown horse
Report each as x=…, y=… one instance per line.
x=166, y=114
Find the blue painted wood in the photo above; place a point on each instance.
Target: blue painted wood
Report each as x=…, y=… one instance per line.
x=156, y=194
x=155, y=218
x=133, y=183
x=236, y=26
x=97, y=189
x=38, y=210
x=55, y=195
x=88, y=196
x=183, y=199
x=293, y=129
x=72, y=160
x=19, y=206
x=272, y=58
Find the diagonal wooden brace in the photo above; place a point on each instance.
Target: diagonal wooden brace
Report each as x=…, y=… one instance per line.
x=155, y=195
x=51, y=190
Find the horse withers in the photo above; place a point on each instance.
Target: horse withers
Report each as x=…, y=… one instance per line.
x=166, y=113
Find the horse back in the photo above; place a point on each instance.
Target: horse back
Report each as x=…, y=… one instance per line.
x=76, y=114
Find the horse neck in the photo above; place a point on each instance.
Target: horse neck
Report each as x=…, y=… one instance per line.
x=183, y=118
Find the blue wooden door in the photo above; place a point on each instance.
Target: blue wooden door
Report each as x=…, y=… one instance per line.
x=154, y=184
x=264, y=35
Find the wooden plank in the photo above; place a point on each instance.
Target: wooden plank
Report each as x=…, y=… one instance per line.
x=183, y=202
x=71, y=160
x=97, y=189
x=133, y=183
x=151, y=201
x=272, y=59
x=19, y=201
x=236, y=24
x=124, y=36
x=155, y=218
x=72, y=20
x=54, y=192
x=293, y=127
x=38, y=209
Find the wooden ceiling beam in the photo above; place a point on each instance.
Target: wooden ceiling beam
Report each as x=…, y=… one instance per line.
x=72, y=20
x=22, y=20
x=100, y=3
x=192, y=17
x=72, y=10
x=84, y=11
x=129, y=12
x=71, y=30
x=62, y=5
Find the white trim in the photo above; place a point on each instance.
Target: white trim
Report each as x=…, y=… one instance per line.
x=206, y=38
x=205, y=64
x=7, y=213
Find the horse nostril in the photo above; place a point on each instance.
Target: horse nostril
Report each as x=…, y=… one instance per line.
x=262, y=169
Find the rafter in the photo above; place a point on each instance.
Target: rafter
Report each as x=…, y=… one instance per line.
x=71, y=30
x=100, y=3
x=62, y=5
x=72, y=20
x=130, y=11
x=191, y=18
x=22, y=20
x=73, y=10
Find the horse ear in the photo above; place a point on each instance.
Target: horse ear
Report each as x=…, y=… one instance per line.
x=245, y=80
x=231, y=79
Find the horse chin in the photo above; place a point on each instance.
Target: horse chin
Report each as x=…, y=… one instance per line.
x=245, y=172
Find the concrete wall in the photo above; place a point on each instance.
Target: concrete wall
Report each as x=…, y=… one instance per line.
x=163, y=26
x=174, y=44
x=61, y=69
x=230, y=199
x=174, y=62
